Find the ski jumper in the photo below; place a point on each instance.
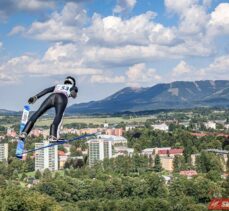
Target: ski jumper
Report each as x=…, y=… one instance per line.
x=58, y=100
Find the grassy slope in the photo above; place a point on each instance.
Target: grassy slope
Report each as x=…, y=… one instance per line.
x=85, y=120
x=93, y=120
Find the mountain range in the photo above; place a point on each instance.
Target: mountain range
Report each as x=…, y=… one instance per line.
x=175, y=95
x=164, y=96
x=8, y=112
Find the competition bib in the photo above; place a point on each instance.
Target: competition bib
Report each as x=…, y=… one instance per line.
x=63, y=88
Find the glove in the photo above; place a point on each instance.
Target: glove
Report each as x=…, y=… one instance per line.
x=32, y=100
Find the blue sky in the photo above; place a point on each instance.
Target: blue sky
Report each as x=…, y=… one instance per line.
x=108, y=46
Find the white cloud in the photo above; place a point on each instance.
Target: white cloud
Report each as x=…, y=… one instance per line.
x=7, y=7
x=124, y=6
x=137, y=30
x=62, y=26
x=136, y=75
x=217, y=70
x=220, y=65
x=196, y=24
x=114, y=40
x=7, y=79
x=181, y=69
x=179, y=6
x=107, y=79
x=123, y=56
x=60, y=52
x=192, y=14
x=110, y=30
x=100, y=43
x=58, y=60
x=33, y=5
x=219, y=22
x=1, y=44
x=193, y=20
x=139, y=73
x=17, y=30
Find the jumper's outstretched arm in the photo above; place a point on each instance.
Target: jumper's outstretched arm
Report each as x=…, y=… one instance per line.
x=45, y=91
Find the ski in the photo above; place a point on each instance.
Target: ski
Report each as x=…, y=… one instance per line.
x=20, y=143
x=60, y=142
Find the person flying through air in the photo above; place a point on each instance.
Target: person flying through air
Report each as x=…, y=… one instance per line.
x=58, y=100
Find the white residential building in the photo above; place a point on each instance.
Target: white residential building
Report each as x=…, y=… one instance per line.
x=226, y=126
x=3, y=152
x=115, y=140
x=148, y=152
x=123, y=151
x=129, y=128
x=210, y=125
x=151, y=152
x=46, y=158
x=105, y=125
x=99, y=149
x=163, y=127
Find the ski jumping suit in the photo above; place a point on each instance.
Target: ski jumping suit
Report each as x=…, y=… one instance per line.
x=58, y=100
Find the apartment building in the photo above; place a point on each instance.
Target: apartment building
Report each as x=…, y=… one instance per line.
x=46, y=158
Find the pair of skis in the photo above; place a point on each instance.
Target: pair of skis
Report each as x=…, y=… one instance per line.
x=21, y=144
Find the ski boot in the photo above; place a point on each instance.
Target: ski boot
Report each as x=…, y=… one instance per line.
x=52, y=139
x=22, y=136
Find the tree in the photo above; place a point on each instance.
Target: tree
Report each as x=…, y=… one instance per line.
x=225, y=186
x=17, y=198
x=214, y=175
x=74, y=151
x=139, y=162
x=77, y=163
x=156, y=185
x=178, y=188
x=178, y=163
x=123, y=165
x=172, y=127
x=157, y=164
x=67, y=164
x=227, y=164
x=155, y=204
x=30, y=164
x=15, y=175
x=23, y=176
x=2, y=181
x=208, y=161
x=62, y=148
x=38, y=174
x=47, y=175
x=204, y=189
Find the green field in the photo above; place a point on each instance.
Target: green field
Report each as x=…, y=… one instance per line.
x=95, y=120
x=32, y=174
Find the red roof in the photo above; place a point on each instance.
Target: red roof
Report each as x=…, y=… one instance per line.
x=61, y=153
x=210, y=134
x=171, y=151
x=188, y=173
x=222, y=135
x=199, y=134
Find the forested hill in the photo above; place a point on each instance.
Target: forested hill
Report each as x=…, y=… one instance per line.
x=176, y=95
